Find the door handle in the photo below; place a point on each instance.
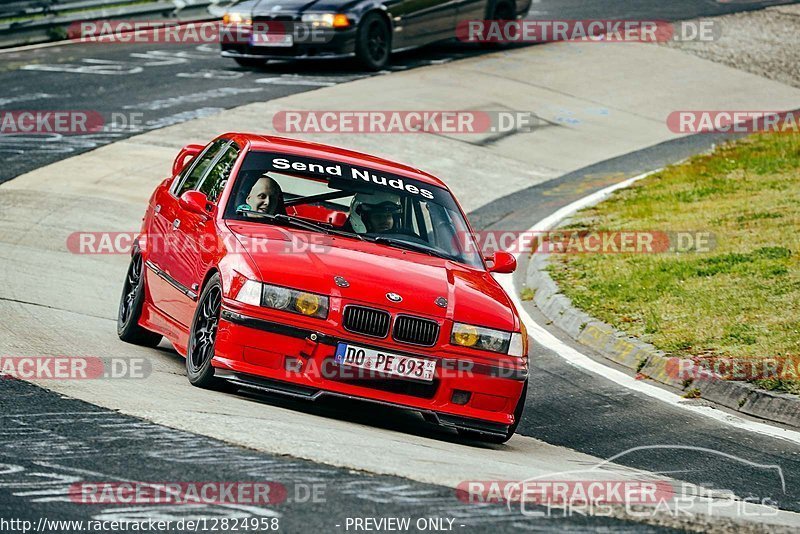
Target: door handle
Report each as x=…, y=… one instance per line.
x=158, y=208
x=176, y=223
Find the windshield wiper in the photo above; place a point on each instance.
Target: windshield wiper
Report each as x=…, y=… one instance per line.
x=298, y=223
x=415, y=247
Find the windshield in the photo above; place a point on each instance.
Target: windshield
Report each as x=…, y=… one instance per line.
x=366, y=204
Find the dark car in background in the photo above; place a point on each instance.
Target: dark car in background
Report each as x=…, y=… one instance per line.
x=369, y=30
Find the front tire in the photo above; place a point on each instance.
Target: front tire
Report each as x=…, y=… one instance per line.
x=130, y=307
x=373, y=42
x=203, y=337
x=518, y=411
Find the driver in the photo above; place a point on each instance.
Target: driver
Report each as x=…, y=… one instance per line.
x=266, y=196
x=376, y=212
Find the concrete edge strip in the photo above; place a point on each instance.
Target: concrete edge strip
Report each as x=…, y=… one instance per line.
x=649, y=362
x=582, y=327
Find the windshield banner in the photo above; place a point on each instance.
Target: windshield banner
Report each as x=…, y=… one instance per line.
x=343, y=173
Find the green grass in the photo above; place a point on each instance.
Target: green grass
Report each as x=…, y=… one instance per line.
x=742, y=298
x=527, y=293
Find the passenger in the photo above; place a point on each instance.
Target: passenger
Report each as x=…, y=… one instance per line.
x=375, y=213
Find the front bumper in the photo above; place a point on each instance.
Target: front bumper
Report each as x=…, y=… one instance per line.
x=268, y=355
x=334, y=45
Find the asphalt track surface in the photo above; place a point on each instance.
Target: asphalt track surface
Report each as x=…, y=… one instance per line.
x=566, y=406
x=141, y=87
x=149, y=86
x=48, y=443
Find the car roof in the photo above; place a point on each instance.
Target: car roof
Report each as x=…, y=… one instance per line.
x=322, y=151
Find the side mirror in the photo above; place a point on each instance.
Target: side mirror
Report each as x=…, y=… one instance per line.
x=194, y=202
x=185, y=155
x=502, y=262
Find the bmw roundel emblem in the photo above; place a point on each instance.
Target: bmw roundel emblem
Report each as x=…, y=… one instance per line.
x=394, y=297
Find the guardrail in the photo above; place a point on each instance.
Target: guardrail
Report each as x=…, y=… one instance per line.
x=53, y=7
x=37, y=21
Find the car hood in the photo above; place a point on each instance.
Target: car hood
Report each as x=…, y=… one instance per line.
x=310, y=261
x=265, y=7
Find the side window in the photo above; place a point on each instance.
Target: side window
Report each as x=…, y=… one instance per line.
x=216, y=179
x=191, y=180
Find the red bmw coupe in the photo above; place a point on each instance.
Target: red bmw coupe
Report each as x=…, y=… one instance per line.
x=308, y=270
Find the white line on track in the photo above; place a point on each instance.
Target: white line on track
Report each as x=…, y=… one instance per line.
x=580, y=360
x=295, y=81
x=25, y=48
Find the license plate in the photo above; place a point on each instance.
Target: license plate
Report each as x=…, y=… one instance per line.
x=385, y=362
x=272, y=39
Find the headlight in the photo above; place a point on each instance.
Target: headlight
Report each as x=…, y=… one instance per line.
x=236, y=18
x=276, y=297
x=250, y=293
x=308, y=303
x=477, y=337
x=283, y=298
x=519, y=343
x=326, y=20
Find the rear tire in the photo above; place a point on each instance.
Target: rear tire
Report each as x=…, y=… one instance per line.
x=130, y=307
x=488, y=438
x=500, y=10
x=203, y=338
x=249, y=62
x=373, y=42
